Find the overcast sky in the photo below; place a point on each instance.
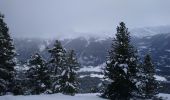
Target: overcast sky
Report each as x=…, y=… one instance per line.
x=58, y=18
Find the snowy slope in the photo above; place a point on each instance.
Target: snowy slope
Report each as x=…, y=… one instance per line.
x=65, y=97
x=150, y=31
x=53, y=97
x=98, y=69
x=160, y=78
x=164, y=96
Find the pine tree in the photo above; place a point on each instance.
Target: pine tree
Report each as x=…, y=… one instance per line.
x=19, y=86
x=7, y=61
x=121, y=67
x=69, y=83
x=57, y=64
x=150, y=84
x=38, y=75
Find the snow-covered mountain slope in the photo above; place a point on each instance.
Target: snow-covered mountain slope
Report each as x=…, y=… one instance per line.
x=92, y=53
x=97, y=72
x=150, y=31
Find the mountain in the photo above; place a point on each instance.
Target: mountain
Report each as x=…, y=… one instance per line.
x=150, y=31
x=92, y=53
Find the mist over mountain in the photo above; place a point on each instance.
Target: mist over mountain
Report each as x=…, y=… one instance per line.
x=90, y=49
x=87, y=49
x=150, y=31
x=92, y=52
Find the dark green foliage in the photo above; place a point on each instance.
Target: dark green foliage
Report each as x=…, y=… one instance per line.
x=19, y=87
x=57, y=64
x=69, y=83
x=38, y=75
x=7, y=61
x=150, y=84
x=20, y=81
x=63, y=68
x=121, y=67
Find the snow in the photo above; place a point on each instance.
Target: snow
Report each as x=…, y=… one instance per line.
x=48, y=42
x=57, y=86
x=164, y=96
x=108, y=62
x=167, y=66
x=99, y=69
x=143, y=32
x=125, y=70
x=99, y=39
x=97, y=75
x=158, y=70
x=42, y=85
x=143, y=47
x=167, y=50
x=22, y=68
x=92, y=68
x=88, y=42
x=92, y=75
x=42, y=47
x=160, y=78
x=63, y=73
x=53, y=97
x=88, y=96
x=123, y=65
x=67, y=42
x=115, y=64
x=82, y=76
x=138, y=84
x=132, y=59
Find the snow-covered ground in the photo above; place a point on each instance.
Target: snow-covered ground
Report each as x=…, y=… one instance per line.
x=90, y=69
x=164, y=96
x=100, y=67
x=89, y=96
x=160, y=78
x=53, y=97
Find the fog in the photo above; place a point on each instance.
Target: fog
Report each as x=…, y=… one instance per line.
x=71, y=18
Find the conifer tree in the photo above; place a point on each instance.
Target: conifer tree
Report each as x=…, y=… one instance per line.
x=38, y=75
x=69, y=82
x=7, y=61
x=57, y=64
x=19, y=86
x=150, y=84
x=121, y=67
